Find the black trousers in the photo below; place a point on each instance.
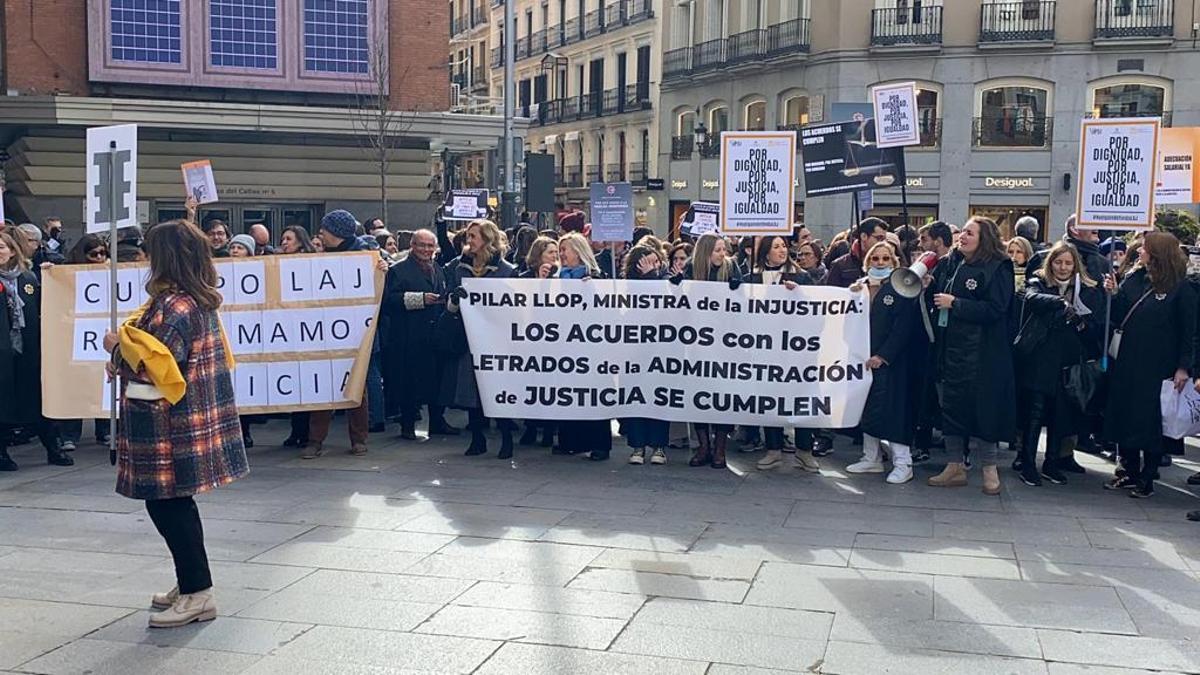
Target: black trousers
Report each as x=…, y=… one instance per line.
x=300, y=425
x=46, y=430
x=408, y=415
x=178, y=521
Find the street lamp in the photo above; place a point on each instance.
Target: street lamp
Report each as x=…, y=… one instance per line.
x=553, y=62
x=701, y=134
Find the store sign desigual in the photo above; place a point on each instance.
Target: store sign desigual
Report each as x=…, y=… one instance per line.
x=1011, y=183
x=679, y=184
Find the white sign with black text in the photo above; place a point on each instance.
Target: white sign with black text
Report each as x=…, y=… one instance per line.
x=103, y=175
x=758, y=182
x=1118, y=161
x=896, y=115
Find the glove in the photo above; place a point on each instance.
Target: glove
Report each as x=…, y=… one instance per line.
x=734, y=283
x=676, y=280
x=459, y=293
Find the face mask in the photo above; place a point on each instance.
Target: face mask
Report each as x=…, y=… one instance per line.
x=879, y=273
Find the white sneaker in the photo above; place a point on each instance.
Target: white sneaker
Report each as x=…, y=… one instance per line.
x=638, y=456
x=865, y=465
x=659, y=456
x=772, y=459
x=901, y=473
x=187, y=608
x=806, y=462
x=67, y=446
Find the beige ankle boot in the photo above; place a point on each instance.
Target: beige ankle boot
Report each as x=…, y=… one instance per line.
x=164, y=600
x=199, y=606
x=991, y=480
x=954, y=475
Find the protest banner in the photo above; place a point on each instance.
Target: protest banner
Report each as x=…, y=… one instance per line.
x=466, y=204
x=111, y=177
x=1177, y=182
x=760, y=355
x=701, y=218
x=896, y=115
x=843, y=157
x=199, y=182
x=300, y=326
x=611, y=207
x=758, y=182
x=1118, y=161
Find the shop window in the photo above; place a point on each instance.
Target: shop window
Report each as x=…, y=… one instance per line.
x=795, y=111
x=756, y=116
x=1129, y=100
x=1012, y=116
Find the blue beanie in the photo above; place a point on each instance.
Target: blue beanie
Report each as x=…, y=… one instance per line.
x=339, y=223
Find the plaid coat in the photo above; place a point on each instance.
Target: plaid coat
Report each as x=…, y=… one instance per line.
x=166, y=451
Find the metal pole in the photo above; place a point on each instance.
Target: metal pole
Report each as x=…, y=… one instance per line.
x=508, y=196
x=903, y=188
x=114, y=170
x=1107, y=312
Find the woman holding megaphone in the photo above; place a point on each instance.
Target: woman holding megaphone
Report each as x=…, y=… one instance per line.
x=890, y=414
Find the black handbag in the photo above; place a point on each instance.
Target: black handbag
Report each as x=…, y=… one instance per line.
x=450, y=335
x=1031, y=334
x=1081, y=381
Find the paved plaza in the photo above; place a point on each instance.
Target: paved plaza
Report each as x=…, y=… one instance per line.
x=418, y=559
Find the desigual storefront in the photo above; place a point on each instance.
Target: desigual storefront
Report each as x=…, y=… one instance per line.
x=1007, y=197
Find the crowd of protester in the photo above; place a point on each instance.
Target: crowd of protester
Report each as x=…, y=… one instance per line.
x=1006, y=340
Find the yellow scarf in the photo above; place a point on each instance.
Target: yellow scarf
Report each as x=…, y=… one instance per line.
x=140, y=348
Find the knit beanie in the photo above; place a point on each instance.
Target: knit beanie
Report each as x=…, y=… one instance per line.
x=572, y=221
x=243, y=240
x=340, y=223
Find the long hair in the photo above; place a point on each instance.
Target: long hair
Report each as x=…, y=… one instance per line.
x=702, y=259
x=1046, y=271
x=579, y=244
x=635, y=256
x=1022, y=243
x=1167, y=266
x=18, y=253
x=181, y=261
x=764, y=249
x=991, y=246
x=522, y=241
x=78, y=254
x=301, y=236
x=537, y=248
x=494, y=244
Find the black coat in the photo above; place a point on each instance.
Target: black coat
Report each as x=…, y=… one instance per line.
x=1158, y=338
x=411, y=373
x=789, y=272
x=898, y=338
x=21, y=374
x=974, y=349
x=458, y=386
x=846, y=270
x=1095, y=262
x=1066, y=343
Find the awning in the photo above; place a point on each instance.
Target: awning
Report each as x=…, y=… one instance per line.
x=550, y=139
x=570, y=136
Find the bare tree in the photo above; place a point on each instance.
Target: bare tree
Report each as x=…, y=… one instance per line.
x=381, y=129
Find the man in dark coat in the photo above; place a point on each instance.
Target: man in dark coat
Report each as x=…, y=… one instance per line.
x=849, y=268
x=1087, y=242
x=413, y=299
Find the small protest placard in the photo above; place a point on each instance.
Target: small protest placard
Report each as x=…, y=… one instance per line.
x=896, y=115
x=612, y=211
x=701, y=218
x=106, y=178
x=1177, y=180
x=466, y=204
x=758, y=182
x=199, y=182
x=1118, y=161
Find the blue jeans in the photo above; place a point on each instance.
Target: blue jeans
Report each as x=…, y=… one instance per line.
x=72, y=430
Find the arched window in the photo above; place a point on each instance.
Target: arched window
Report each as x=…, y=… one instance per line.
x=685, y=123
x=718, y=119
x=755, y=116
x=794, y=111
x=1012, y=113
x=1131, y=97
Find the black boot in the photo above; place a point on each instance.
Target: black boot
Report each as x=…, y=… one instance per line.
x=57, y=457
x=408, y=431
x=1052, y=473
x=6, y=462
x=1028, y=457
x=529, y=436
x=478, y=443
x=440, y=427
x=506, y=445
x=548, y=436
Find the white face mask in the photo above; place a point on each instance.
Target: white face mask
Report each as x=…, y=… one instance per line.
x=878, y=274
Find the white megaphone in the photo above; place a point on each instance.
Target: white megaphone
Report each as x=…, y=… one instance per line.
x=909, y=281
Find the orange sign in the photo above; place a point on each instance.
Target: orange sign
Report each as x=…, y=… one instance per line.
x=1177, y=182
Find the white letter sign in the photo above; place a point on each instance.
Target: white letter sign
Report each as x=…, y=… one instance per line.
x=758, y=182
x=1118, y=159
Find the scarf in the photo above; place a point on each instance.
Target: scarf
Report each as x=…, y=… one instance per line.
x=15, y=305
x=140, y=348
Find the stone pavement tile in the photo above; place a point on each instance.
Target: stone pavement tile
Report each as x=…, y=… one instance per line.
x=1080, y=669
x=1165, y=614
x=530, y=659
x=706, y=616
x=291, y=604
x=1121, y=650
x=386, y=648
x=587, y=504
x=669, y=585
x=19, y=646
x=342, y=516
x=857, y=518
x=226, y=634
x=971, y=549
x=1000, y=527
x=518, y=625
x=718, y=641
x=1103, y=575
x=833, y=589
x=333, y=556
x=811, y=536
x=687, y=564
x=536, y=552
x=740, y=510
x=613, y=489
x=553, y=600
x=918, y=495
x=934, y=563
x=111, y=503
x=942, y=636
x=502, y=570
x=100, y=657
x=1028, y=604
x=787, y=544
x=283, y=665
x=497, y=494
x=848, y=658
x=373, y=585
x=1151, y=558
x=726, y=669
x=415, y=542
x=31, y=628
x=628, y=532
x=1140, y=528
x=500, y=522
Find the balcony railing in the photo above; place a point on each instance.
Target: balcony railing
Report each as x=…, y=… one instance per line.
x=479, y=77
x=708, y=55
x=537, y=42
x=682, y=146
x=1020, y=131
x=711, y=147
x=571, y=31
x=615, y=173
x=596, y=22
x=1135, y=18
x=497, y=56
x=593, y=23
x=916, y=25
x=595, y=174
x=459, y=78
x=677, y=63
x=1028, y=21
x=1166, y=117
x=574, y=176
x=592, y=104
x=931, y=131
x=637, y=173
x=522, y=47
x=750, y=45
x=788, y=37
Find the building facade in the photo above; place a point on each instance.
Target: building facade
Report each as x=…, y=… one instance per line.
x=1002, y=89
x=279, y=94
x=586, y=79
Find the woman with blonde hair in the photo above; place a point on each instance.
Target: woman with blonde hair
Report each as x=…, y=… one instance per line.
x=1060, y=325
x=484, y=246
x=1020, y=251
x=578, y=261
x=590, y=439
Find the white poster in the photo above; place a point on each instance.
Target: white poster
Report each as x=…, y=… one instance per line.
x=758, y=182
x=199, y=181
x=1118, y=159
x=101, y=142
x=896, y=115
x=695, y=352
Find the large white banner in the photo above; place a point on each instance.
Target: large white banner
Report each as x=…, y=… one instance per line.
x=696, y=352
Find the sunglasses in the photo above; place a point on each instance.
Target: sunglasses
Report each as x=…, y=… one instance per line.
x=97, y=253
